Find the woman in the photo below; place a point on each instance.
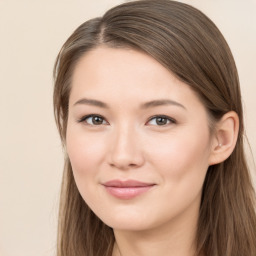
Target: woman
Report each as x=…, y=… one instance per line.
x=148, y=106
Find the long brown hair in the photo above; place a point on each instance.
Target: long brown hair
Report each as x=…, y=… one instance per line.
x=188, y=44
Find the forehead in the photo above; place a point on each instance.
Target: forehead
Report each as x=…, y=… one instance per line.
x=126, y=75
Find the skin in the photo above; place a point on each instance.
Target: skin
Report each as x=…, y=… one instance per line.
x=129, y=143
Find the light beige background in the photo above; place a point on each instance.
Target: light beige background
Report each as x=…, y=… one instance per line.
x=31, y=34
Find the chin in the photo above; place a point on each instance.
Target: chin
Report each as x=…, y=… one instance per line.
x=128, y=225
x=129, y=222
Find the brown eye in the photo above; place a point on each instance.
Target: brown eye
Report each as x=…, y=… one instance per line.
x=93, y=120
x=161, y=120
x=97, y=120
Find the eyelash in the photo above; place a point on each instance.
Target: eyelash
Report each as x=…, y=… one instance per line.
x=169, y=119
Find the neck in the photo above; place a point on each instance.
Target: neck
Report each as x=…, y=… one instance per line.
x=176, y=238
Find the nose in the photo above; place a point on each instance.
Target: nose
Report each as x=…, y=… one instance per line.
x=126, y=151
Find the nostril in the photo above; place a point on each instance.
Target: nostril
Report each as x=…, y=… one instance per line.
x=126, y=162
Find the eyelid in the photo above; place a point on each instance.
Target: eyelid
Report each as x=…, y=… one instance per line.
x=170, y=119
x=82, y=119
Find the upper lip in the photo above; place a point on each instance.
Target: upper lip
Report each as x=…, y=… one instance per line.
x=126, y=183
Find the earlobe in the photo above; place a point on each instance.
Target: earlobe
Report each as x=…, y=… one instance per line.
x=225, y=137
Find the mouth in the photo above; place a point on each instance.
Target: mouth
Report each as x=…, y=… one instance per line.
x=127, y=189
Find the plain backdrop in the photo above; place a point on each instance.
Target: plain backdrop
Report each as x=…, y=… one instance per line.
x=31, y=162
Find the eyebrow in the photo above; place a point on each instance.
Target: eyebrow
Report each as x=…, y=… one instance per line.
x=150, y=104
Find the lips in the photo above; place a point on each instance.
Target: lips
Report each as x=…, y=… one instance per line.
x=127, y=189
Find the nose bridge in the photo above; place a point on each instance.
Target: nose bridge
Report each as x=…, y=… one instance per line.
x=126, y=150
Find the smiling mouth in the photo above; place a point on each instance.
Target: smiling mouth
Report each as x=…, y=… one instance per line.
x=127, y=189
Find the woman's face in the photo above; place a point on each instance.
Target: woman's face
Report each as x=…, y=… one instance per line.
x=138, y=140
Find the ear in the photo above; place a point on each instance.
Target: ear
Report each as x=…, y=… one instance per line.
x=224, y=138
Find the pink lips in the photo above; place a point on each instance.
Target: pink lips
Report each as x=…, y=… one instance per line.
x=127, y=189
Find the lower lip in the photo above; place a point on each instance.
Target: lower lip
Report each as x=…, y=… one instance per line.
x=127, y=192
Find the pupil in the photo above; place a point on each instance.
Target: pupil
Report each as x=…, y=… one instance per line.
x=97, y=120
x=161, y=121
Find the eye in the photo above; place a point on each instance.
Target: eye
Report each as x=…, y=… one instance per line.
x=99, y=120
x=93, y=120
x=161, y=120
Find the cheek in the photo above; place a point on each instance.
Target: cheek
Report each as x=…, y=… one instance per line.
x=182, y=157
x=182, y=163
x=84, y=151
